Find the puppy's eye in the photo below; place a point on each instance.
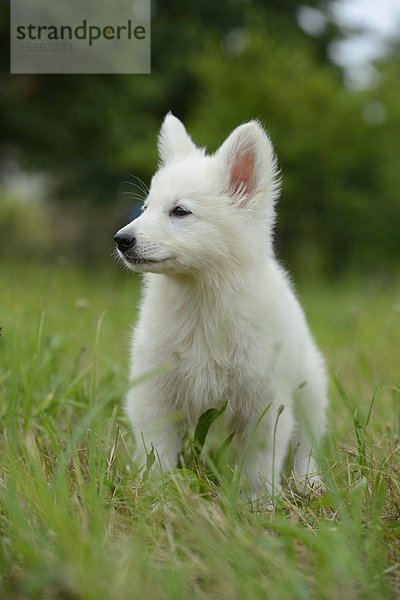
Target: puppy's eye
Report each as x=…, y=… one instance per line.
x=143, y=207
x=178, y=211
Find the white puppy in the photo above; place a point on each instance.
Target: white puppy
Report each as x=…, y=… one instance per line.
x=219, y=321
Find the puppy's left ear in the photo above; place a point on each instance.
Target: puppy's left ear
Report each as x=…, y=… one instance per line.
x=173, y=141
x=248, y=165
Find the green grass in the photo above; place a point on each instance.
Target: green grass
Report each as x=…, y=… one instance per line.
x=76, y=522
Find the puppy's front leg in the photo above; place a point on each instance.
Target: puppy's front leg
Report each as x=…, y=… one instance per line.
x=154, y=426
x=265, y=452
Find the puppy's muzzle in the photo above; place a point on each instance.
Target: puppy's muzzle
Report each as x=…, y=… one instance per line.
x=124, y=241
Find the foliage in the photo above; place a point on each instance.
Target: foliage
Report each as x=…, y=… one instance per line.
x=77, y=521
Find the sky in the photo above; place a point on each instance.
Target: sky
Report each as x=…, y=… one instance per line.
x=380, y=21
x=379, y=16
x=369, y=26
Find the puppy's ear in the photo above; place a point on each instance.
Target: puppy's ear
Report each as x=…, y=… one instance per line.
x=248, y=165
x=173, y=141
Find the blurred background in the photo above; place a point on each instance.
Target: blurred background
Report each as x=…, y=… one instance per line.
x=323, y=77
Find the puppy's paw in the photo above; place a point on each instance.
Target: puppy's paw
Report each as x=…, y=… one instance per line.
x=307, y=485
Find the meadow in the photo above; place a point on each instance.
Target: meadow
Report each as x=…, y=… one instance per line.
x=78, y=523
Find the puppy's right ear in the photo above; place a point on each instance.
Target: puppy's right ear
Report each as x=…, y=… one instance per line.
x=248, y=166
x=173, y=141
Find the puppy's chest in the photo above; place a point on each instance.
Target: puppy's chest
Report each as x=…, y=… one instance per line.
x=212, y=366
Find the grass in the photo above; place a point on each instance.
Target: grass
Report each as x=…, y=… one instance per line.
x=77, y=523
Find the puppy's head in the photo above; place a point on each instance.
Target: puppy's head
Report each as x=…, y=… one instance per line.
x=204, y=213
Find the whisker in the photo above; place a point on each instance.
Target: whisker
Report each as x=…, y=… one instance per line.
x=135, y=196
x=131, y=183
x=140, y=183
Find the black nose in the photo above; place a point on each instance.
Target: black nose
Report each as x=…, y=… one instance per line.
x=124, y=241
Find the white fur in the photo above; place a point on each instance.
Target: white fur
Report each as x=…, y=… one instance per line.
x=219, y=320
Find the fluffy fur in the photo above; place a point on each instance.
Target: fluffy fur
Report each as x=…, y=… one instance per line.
x=219, y=320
